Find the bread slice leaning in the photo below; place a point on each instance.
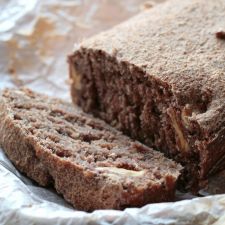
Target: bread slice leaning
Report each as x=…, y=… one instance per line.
x=91, y=164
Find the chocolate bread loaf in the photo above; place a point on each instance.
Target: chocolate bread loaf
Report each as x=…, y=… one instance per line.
x=160, y=78
x=91, y=164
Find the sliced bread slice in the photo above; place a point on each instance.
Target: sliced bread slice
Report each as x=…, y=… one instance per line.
x=91, y=164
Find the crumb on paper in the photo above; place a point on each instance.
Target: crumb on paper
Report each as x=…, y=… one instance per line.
x=220, y=34
x=11, y=71
x=147, y=5
x=14, y=77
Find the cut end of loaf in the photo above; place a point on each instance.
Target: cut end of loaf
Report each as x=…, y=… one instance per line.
x=158, y=77
x=138, y=105
x=142, y=107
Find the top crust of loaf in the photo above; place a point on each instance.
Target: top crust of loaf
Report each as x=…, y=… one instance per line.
x=176, y=42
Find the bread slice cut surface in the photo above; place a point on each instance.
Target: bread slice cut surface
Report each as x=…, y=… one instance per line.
x=91, y=164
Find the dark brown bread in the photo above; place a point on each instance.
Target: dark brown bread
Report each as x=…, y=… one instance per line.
x=91, y=164
x=160, y=78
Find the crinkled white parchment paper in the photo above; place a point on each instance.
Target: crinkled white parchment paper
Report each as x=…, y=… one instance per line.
x=35, y=38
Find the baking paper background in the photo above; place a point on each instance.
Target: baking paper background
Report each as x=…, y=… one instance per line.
x=35, y=39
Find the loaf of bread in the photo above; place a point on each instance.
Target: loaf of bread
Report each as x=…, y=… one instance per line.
x=91, y=164
x=160, y=78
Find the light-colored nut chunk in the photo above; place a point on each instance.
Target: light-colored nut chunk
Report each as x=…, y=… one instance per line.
x=114, y=171
x=180, y=139
x=75, y=77
x=185, y=114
